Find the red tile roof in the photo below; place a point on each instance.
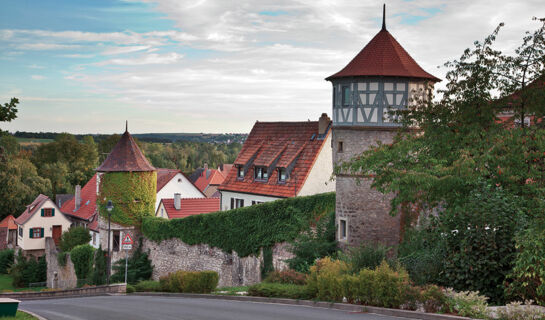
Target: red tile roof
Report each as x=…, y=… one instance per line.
x=191, y=206
x=209, y=177
x=94, y=225
x=383, y=56
x=164, y=176
x=88, y=201
x=283, y=142
x=125, y=156
x=31, y=209
x=8, y=222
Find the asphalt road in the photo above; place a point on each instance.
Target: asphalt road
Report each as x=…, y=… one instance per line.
x=156, y=308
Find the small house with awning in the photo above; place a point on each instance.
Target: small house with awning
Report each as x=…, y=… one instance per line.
x=41, y=219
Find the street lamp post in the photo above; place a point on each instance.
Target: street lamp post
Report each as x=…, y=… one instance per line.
x=109, y=207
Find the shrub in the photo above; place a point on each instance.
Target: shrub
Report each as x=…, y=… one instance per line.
x=82, y=258
x=139, y=267
x=433, y=299
x=244, y=230
x=467, y=303
x=190, y=281
x=280, y=290
x=315, y=242
x=324, y=280
x=28, y=270
x=286, y=276
x=6, y=260
x=130, y=289
x=98, y=276
x=412, y=298
x=364, y=257
x=74, y=237
x=520, y=311
x=61, y=258
x=148, y=286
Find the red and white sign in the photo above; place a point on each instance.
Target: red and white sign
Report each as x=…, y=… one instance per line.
x=127, y=239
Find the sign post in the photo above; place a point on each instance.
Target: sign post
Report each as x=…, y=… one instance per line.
x=127, y=245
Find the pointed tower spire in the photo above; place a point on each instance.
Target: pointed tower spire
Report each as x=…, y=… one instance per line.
x=384, y=16
x=126, y=125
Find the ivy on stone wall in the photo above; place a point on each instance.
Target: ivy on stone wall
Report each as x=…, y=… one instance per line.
x=132, y=193
x=244, y=230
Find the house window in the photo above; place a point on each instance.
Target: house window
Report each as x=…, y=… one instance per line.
x=282, y=174
x=340, y=146
x=256, y=202
x=180, y=180
x=237, y=203
x=36, y=233
x=162, y=211
x=20, y=232
x=343, y=229
x=48, y=212
x=116, y=240
x=261, y=173
x=94, y=238
x=240, y=172
x=346, y=96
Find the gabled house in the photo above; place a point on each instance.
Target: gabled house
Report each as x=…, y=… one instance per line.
x=171, y=181
x=179, y=207
x=209, y=180
x=41, y=219
x=8, y=233
x=280, y=160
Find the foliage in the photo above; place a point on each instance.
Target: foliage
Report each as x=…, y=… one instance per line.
x=324, y=280
x=280, y=290
x=527, y=279
x=82, y=258
x=267, y=261
x=28, y=270
x=8, y=111
x=62, y=257
x=190, y=281
x=139, y=267
x=130, y=288
x=519, y=311
x=366, y=256
x=57, y=173
x=100, y=268
x=467, y=303
x=132, y=193
x=315, y=242
x=287, y=277
x=433, y=299
x=74, y=237
x=244, y=230
x=7, y=257
x=148, y=286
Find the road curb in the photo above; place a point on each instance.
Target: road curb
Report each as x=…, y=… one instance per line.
x=32, y=314
x=310, y=303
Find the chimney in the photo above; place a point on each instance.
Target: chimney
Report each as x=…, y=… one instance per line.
x=77, y=197
x=323, y=123
x=177, y=201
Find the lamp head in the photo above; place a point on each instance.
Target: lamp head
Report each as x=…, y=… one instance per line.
x=109, y=206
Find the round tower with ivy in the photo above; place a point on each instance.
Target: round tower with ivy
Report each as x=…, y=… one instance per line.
x=129, y=181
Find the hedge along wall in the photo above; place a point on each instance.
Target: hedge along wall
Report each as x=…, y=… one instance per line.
x=244, y=230
x=132, y=193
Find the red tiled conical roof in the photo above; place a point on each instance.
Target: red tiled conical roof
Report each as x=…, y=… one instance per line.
x=383, y=56
x=125, y=156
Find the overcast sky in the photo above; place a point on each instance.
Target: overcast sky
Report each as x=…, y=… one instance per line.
x=215, y=66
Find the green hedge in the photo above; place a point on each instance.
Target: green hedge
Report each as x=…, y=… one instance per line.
x=244, y=230
x=280, y=290
x=7, y=257
x=190, y=281
x=148, y=286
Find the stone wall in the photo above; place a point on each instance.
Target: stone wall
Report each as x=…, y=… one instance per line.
x=366, y=210
x=58, y=277
x=172, y=255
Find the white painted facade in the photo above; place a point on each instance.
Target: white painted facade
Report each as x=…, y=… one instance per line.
x=318, y=179
x=248, y=198
x=95, y=239
x=161, y=212
x=37, y=221
x=178, y=184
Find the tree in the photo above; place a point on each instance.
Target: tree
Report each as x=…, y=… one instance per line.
x=58, y=174
x=74, y=237
x=8, y=111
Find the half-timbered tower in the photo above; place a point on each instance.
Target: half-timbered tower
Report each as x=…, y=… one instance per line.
x=381, y=78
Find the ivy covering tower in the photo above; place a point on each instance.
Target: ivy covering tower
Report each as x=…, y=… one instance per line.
x=129, y=181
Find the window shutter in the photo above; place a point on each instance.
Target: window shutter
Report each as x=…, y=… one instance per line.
x=42, y=212
x=53, y=212
x=41, y=232
x=30, y=234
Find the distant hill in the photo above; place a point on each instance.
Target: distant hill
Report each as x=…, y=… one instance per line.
x=45, y=137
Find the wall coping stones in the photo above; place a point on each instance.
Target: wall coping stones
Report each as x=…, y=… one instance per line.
x=67, y=293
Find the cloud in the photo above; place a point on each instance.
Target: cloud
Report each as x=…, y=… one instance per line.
x=47, y=46
x=152, y=58
x=124, y=49
x=37, y=77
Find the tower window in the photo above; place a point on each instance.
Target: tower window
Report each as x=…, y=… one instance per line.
x=340, y=146
x=343, y=229
x=346, y=95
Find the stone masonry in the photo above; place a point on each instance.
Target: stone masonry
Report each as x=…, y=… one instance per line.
x=365, y=209
x=58, y=277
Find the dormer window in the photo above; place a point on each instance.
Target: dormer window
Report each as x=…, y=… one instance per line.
x=261, y=173
x=240, y=173
x=282, y=174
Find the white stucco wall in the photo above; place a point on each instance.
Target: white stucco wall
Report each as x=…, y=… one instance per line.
x=96, y=242
x=37, y=221
x=185, y=188
x=161, y=212
x=318, y=180
x=248, y=198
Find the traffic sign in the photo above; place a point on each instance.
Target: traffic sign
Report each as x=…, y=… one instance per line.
x=127, y=246
x=127, y=239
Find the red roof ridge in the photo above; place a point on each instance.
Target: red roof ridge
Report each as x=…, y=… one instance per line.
x=31, y=209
